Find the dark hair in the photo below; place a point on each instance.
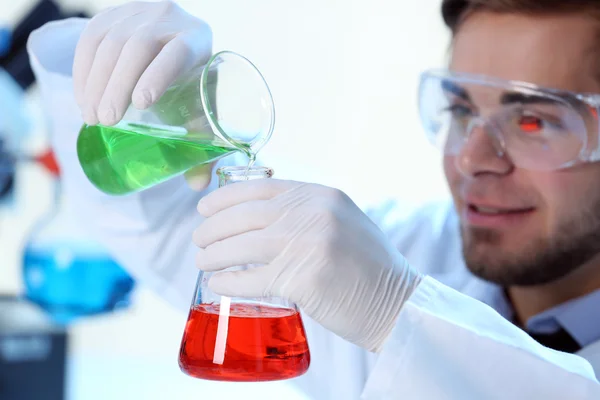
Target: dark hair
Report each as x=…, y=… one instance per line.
x=454, y=11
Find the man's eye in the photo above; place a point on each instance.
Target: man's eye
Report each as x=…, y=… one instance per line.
x=458, y=110
x=530, y=124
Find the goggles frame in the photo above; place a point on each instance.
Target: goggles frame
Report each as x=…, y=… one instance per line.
x=587, y=105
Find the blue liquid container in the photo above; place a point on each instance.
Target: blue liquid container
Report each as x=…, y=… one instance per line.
x=67, y=273
x=70, y=282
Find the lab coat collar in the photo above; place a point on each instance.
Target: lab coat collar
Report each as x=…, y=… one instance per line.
x=567, y=315
x=592, y=353
x=578, y=317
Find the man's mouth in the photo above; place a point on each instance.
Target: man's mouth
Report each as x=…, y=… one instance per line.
x=486, y=210
x=491, y=216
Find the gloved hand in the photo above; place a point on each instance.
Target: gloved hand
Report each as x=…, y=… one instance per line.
x=132, y=54
x=317, y=249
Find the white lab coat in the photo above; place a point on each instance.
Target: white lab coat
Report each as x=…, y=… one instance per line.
x=446, y=345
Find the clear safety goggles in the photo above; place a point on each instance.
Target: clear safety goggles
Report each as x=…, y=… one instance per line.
x=536, y=128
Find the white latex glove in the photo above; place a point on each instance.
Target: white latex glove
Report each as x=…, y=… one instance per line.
x=131, y=54
x=318, y=248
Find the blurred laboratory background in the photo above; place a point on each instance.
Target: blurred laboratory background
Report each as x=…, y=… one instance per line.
x=344, y=76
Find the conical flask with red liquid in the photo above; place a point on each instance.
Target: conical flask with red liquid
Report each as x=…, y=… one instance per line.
x=242, y=340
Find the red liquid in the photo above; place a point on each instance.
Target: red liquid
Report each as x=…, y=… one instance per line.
x=263, y=344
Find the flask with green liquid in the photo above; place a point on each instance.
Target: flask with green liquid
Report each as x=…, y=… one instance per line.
x=212, y=111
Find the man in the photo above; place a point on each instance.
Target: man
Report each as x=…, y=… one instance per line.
x=520, y=163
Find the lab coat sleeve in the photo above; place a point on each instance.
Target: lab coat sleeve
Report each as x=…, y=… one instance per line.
x=149, y=233
x=449, y=346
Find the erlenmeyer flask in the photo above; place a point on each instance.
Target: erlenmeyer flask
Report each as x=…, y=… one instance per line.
x=65, y=271
x=210, y=112
x=244, y=340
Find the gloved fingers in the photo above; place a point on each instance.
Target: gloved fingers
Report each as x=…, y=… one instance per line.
x=90, y=39
x=138, y=52
x=248, y=248
x=253, y=282
x=198, y=178
x=241, y=192
x=107, y=56
x=236, y=220
x=178, y=56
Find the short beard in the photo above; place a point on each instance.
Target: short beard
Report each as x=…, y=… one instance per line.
x=541, y=261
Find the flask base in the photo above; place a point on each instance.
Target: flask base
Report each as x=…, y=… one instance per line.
x=263, y=343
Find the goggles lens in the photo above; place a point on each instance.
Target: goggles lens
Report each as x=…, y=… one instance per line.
x=536, y=129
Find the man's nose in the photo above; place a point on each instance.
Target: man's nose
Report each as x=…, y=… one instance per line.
x=482, y=153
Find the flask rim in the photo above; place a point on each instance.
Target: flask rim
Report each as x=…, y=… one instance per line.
x=259, y=140
x=243, y=171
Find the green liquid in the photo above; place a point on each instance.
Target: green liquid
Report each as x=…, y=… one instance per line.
x=127, y=158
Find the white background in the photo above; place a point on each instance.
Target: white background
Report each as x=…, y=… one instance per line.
x=344, y=75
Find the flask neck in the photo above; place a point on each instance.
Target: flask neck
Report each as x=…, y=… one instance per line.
x=49, y=163
x=228, y=175
x=59, y=197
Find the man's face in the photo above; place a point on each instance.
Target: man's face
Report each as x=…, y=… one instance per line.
x=523, y=227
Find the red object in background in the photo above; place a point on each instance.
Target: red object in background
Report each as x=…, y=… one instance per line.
x=48, y=161
x=263, y=344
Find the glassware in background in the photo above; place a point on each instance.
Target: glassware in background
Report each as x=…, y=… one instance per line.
x=244, y=340
x=65, y=271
